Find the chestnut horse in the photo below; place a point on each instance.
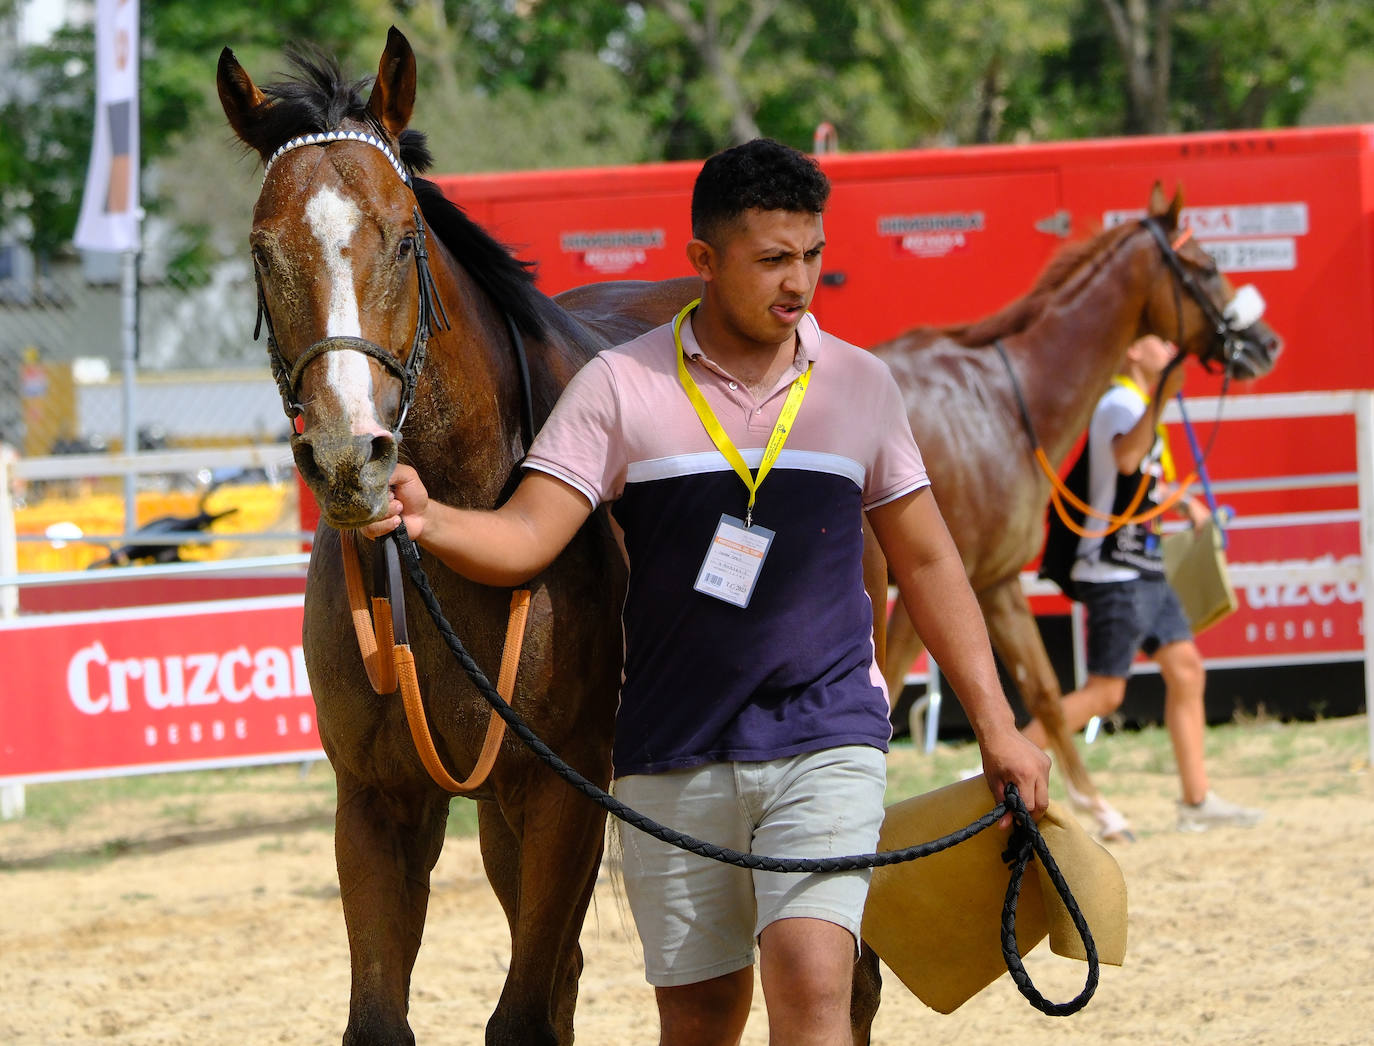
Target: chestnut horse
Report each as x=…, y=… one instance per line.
x=365, y=271
x=1064, y=341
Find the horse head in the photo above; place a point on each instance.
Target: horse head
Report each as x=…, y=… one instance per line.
x=338, y=247
x=1198, y=308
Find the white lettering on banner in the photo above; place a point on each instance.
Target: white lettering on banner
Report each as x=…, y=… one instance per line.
x=1276, y=255
x=79, y=681
x=1301, y=594
x=178, y=681
x=1261, y=219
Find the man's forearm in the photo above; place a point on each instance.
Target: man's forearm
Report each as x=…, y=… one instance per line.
x=489, y=547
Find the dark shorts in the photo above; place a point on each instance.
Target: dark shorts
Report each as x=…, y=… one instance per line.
x=1126, y=616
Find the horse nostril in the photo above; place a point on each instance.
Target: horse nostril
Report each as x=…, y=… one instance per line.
x=382, y=449
x=304, y=454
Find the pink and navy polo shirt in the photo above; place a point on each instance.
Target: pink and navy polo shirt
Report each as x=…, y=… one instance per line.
x=794, y=672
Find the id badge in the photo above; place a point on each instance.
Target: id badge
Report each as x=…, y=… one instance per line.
x=732, y=564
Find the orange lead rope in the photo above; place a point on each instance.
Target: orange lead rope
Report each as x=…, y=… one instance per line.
x=390, y=664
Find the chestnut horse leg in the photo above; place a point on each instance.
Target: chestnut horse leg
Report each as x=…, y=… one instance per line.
x=556, y=829
x=866, y=994
x=385, y=849
x=1016, y=638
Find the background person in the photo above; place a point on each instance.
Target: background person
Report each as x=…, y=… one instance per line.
x=740, y=447
x=1119, y=579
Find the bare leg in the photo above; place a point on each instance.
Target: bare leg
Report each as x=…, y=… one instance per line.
x=806, y=967
x=707, y=1013
x=1185, y=681
x=1099, y=696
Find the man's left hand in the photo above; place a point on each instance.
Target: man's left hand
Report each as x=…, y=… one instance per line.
x=1011, y=758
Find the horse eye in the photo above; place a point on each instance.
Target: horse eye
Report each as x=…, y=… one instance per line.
x=261, y=260
x=404, y=248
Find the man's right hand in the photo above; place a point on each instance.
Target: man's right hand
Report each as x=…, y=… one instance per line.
x=409, y=500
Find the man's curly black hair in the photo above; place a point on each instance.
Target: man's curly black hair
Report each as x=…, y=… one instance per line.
x=761, y=174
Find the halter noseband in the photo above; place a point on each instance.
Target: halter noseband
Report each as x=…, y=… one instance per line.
x=1228, y=324
x=432, y=313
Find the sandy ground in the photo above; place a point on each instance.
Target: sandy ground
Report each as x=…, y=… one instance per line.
x=129, y=925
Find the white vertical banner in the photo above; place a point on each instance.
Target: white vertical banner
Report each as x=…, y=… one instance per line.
x=109, y=209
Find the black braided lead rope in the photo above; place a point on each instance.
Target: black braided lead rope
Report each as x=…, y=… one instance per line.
x=1026, y=839
x=1022, y=846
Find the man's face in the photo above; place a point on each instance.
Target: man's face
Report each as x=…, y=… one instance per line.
x=763, y=272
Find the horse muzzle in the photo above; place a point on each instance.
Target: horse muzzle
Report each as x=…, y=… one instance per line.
x=1252, y=352
x=348, y=473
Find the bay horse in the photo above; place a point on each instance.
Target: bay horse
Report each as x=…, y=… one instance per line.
x=1064, y=340
x=364, y=272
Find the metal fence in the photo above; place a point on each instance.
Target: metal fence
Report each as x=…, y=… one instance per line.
x=201, y=380
x=200, y=384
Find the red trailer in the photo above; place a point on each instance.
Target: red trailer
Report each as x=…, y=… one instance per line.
x=947, y=235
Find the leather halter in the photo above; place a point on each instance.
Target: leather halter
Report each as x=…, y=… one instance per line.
x=432, y=314
x=1231, y=338
x=390, y=663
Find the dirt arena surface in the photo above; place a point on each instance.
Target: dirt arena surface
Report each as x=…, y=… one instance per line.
x=203, y=909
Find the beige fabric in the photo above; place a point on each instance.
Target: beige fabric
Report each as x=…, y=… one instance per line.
x=936, y=921
x=1195, y=564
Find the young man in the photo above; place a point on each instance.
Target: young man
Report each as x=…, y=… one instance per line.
x=739, y=448
x=1119, y=578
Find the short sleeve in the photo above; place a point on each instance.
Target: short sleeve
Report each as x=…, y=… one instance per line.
x=581, y=443
x=1116, y=414
x=897, y=468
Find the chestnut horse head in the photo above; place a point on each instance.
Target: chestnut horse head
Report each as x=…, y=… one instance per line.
x=352, y=282
x=1199, y=309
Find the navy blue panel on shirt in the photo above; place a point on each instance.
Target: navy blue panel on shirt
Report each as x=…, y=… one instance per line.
x=708, y=681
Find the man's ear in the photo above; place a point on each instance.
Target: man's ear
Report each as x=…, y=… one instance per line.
x=701, y=256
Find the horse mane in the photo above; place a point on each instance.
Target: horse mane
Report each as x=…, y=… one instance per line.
x=1021, y=313
x=315, y=97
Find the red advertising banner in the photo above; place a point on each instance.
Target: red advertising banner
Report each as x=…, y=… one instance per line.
x=1298, y=622
x=136, y=690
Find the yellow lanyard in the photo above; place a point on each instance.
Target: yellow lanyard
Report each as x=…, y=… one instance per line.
x=1166, y=459
x=717, y=433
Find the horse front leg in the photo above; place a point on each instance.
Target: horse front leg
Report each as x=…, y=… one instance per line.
x=1016, y=638
x=385, y=849
x=542, y=861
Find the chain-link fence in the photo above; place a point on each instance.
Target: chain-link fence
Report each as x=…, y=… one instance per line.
x=201, y=382
x=201, y=379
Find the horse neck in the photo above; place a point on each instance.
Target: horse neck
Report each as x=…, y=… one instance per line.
x=466, y=433
x=1065, y=359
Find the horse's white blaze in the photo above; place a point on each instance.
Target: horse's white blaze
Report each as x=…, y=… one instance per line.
x=334, y=220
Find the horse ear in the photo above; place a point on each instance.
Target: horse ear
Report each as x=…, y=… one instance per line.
x=393, y=94
x=1159, y=205
x=1165, y=209
x=242, y=101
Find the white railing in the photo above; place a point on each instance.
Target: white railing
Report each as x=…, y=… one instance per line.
x=273, y=459
x=1281, y=406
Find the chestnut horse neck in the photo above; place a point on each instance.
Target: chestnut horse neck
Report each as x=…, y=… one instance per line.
x=1066, y=355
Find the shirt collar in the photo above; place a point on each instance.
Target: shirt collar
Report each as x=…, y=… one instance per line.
x=808, y=350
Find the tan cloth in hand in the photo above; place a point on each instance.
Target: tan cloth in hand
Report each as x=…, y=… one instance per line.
x=936, y=921
x=1195, y=564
